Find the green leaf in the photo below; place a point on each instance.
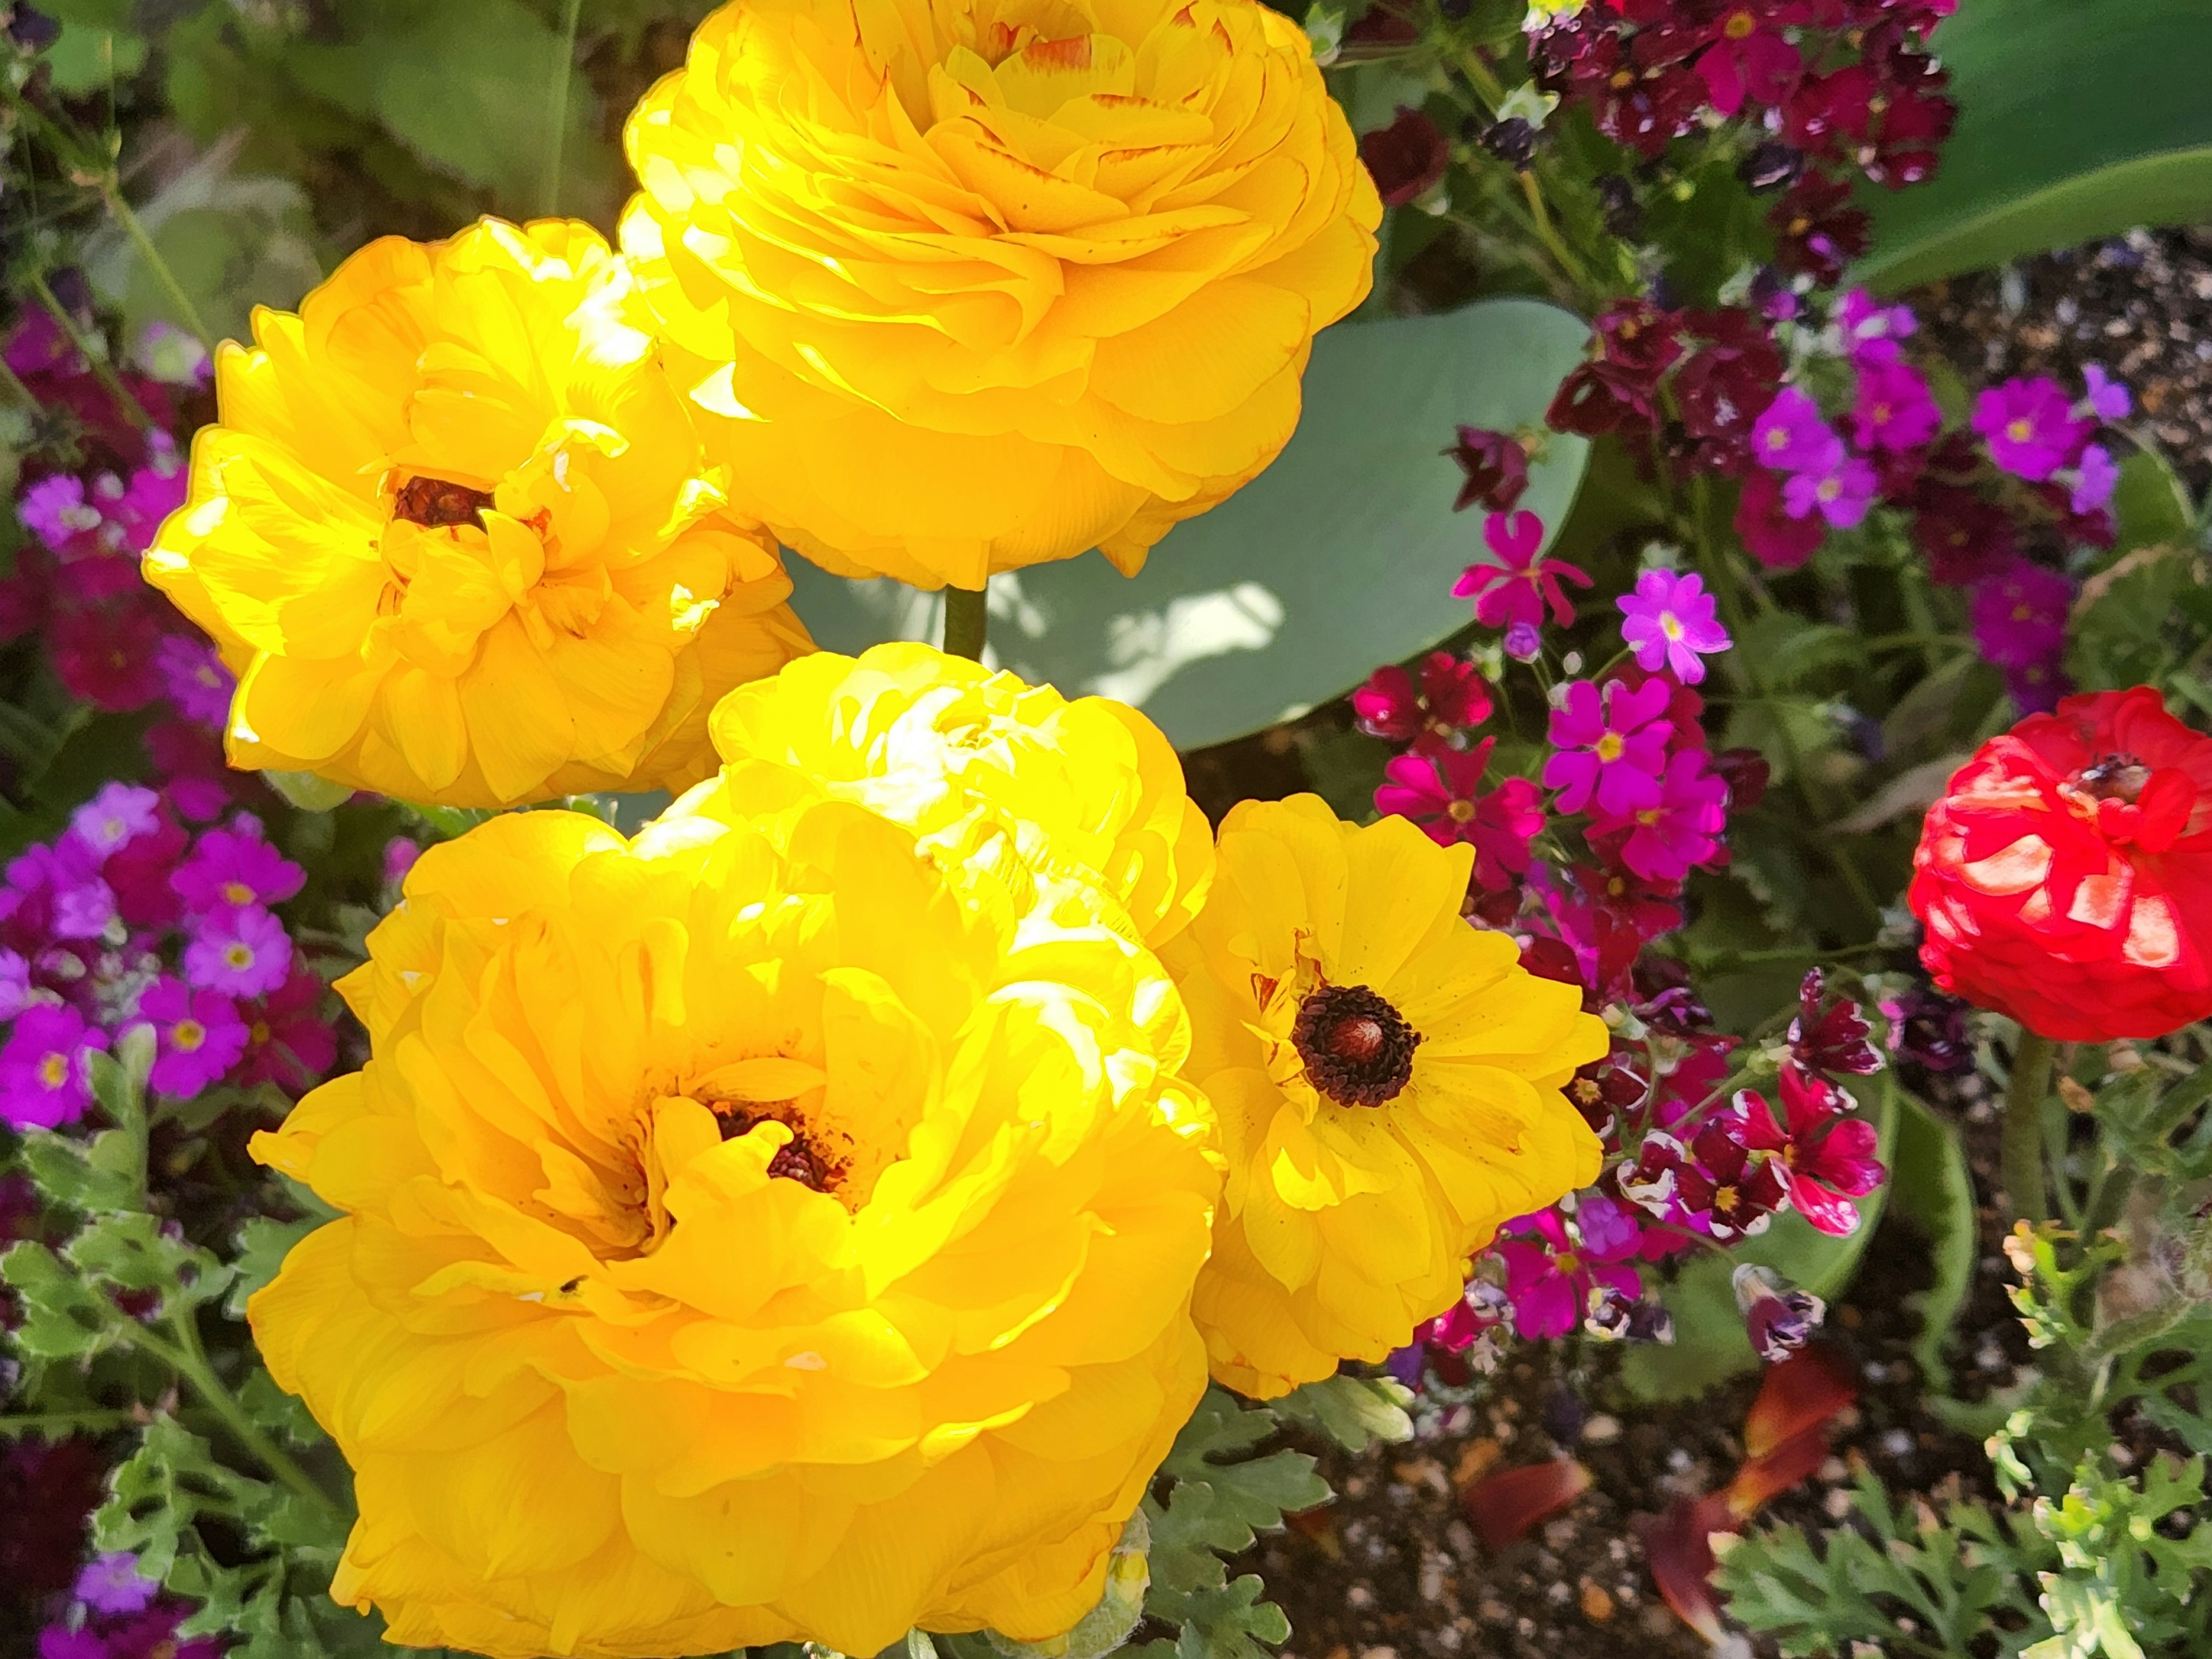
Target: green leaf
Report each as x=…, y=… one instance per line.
x=263, y=1245
x=1710, y=1344
x=63, y=1318
x=308, y=791
x=98, y=45
x=2150, y=503
x=85, y=1176
x=2076, y=121
x=1931, y=1187
x=1354, y=1411
x=1339, y=557
x=132, y=1250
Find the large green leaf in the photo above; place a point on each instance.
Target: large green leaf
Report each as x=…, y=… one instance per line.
x=2077, y=119
x=1339, y=557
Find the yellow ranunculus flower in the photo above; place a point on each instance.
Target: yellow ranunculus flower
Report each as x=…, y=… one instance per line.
x=978, y=764
x=979, y=283
x=748, y=1237
x=456, y=535
x=1388, y=1082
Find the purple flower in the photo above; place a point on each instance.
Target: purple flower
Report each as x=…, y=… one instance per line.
x=14, y=983
x=1792, y=437
x=195, y=679
x=2108, y=400
x=113, y=1583
x=55, y=510
x=1779, y=1318
x=1894, y=410
x=1551, y=1276
x=197, y=1036
x=1524, y=642
x=233, y=868
x=56, y=890
x=2029, y=426
x=1669, y=620
x=2036, y=687
x=2095, y=477
x=1871, y=331
x=1842, y=495
x=113, y=818
x=45, y=1079
x=2019, y=615
x=1610, y=744
x=399, y=856
x=245, y=952
x=1682, y=827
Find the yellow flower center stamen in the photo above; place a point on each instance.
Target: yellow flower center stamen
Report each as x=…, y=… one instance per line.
x=238, y=955
x=54, y=1070
x=2020, y=431
x=1610, y=747
x=237, y=892
x=1670, y=624
x=1460, y=811
x=186, y=1036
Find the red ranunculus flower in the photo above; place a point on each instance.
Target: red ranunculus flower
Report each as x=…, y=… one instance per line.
x=2065, y=876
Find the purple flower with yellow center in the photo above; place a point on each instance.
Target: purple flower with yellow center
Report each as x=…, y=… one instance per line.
x=2029, y=426
x=196, y=680
x=46, y=1080
x=233, y=868
x=244, y=952
x=1793, y=436
x=1671, y=621
x=1840, y=495
x=2019, y=615
x=1611, y=745
x=1894, y=410
x=197, y=1036
x=113, y=818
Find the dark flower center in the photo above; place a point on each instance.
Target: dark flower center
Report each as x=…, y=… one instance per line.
x=439, y=503
x=795, y=1160
x=2113, y=777
x=1359, y=1050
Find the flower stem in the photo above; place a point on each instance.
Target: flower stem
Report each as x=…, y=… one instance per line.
x=2022, y=1159
x=564, y=71
x=187, y=314
x=190, y=1362
x=96, y=360
x=967, y=616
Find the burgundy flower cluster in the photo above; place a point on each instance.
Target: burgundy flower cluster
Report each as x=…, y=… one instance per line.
x=2026, y=468
x=1718, y=368
x=149, y=912
x=1838, y=86
x=114, y=642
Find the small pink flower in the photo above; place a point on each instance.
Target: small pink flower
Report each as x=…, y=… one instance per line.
x=1841, y=496
x=233, y=868
x=1792, y=437
x=1871, y=331
x=113, y=818
x=1518, y=589
x=2029, y=427
x=1824, y=1157
x=197, y=1036
x=1894, y=410
x=1550, y=1274
x=243, y=953
x=1611, y=746
x=1682, y=827
x=1671, y=621
x=287, y=1042
x=45, y=1078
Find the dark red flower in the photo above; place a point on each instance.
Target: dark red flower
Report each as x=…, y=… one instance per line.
x=2064, y=878
x=1826, y=1154
x=1715, y=1185
x=1747, y=774
x=1816, y=230
x=1407, y=157
x=1762, y=519
x=1600, y=397
x=288, y=1042
x=1727, y=385
x=1750, y=61
x=1826, y=1043
x=1966, y=538
x=1496, y=469
x=1639, y=338
x=1451, y=695
x=106, y=657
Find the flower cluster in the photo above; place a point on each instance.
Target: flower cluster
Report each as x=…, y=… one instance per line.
x=145, y=913
x=115, y=1612
x=1834, y=86
x=92, y=500
x=2027, y=471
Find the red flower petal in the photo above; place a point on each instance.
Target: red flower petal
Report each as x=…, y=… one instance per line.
x=1503, y=1507
x=1805, y=1391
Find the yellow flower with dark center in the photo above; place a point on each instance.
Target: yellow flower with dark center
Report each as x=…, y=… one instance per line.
x=974, y=284
x=980, y=765
x=457, y=538
x=748, y=1237
x=1387, y=1078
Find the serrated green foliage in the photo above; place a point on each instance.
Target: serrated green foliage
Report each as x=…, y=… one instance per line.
x=1931, y=1188
x=1354, y=1412
x=62, y=1317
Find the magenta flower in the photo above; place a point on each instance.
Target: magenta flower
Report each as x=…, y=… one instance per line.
x=399, y=856
x=1682, y=829
x=1824, y=1156
x=2019, y=615
x=1551, y=1275
x=113, y=1583
x=55, y=891
x=1670, y=621
x=244, y=952
x=1749, y=59
x=1894, y=410
x=1518, y=589
x=197, y=1036
x=1442, y=792
x=1871, y=331
x=1450, y=696
x=1779, y=1318
x=2029, y=427
x=1792, y=437
x=195, y=680
x=1772, y=537
x=235, y=867
x=46, y=1080
x=2108, y=400
x=113, y=818
x=1840, y=495
x=14, y=983
x=287, y=1042
x=55, y=510
x=1610, y=744
x=2095, y=479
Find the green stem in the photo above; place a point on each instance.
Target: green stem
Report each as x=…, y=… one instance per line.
x=1554, y=244
x=967, y=617
x=564, y=71
x=111, y=192
x=2022, y=1155
x=16, y=389
x=103, y=371
x=190, y=1361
